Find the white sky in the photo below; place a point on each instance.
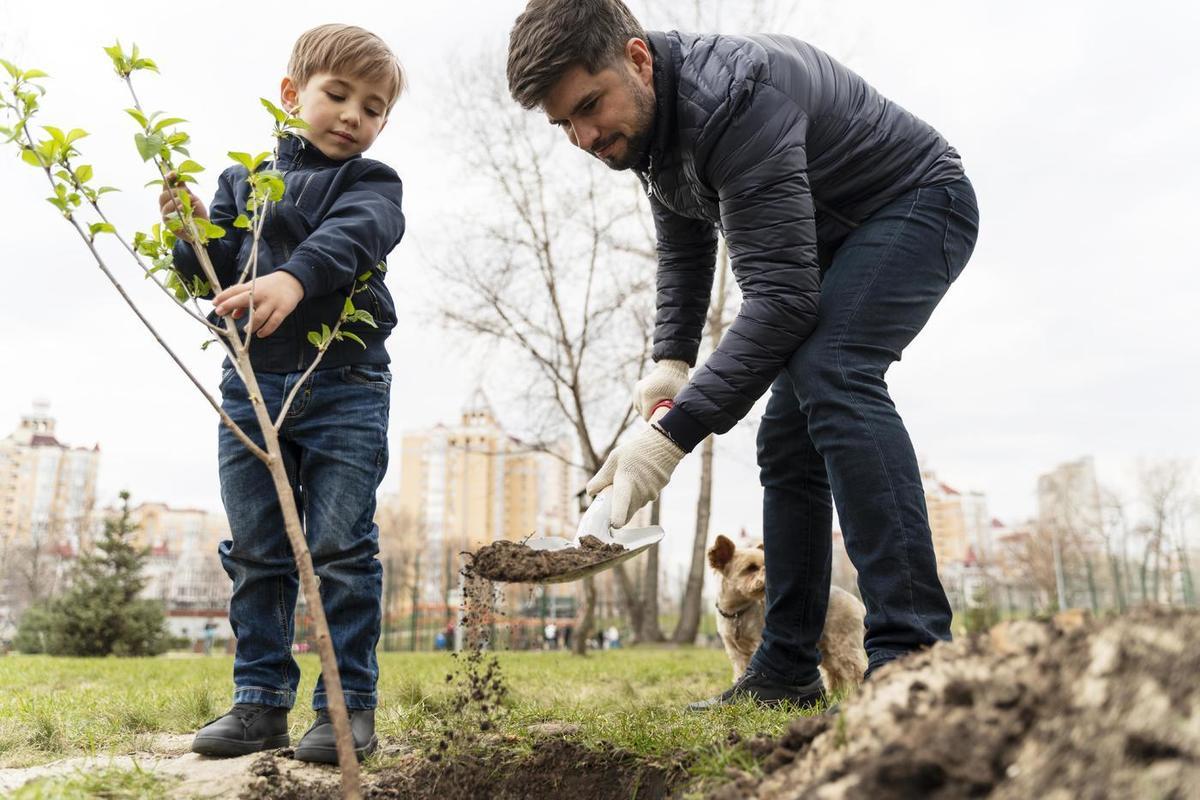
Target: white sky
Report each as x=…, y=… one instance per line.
x=1071, y=332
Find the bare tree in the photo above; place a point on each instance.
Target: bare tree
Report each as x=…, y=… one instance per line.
x=539, y=274
x=1169, y=499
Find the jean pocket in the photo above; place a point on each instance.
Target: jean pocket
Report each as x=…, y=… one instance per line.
x=227, y=374
x=962, y=229
x=377, y=376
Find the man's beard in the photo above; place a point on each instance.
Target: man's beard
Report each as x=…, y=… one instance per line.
x=636, y=143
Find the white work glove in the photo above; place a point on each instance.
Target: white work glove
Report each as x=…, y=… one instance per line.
x=637, y=471
x=661, y=383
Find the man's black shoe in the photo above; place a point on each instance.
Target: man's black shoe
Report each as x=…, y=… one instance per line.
x=765, y=691
x=246, y=728
x=318, y=743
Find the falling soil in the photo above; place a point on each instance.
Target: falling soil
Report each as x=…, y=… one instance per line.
x=512, y=562
x=1070, y=709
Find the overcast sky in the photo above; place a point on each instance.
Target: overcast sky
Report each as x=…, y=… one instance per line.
x=1072, y=331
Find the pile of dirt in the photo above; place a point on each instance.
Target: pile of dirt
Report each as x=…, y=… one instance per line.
x=511, y=562
x=555, y=767
x=1071, y=708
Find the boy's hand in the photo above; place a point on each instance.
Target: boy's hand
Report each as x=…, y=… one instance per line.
x=275, y=296
x=169, y=204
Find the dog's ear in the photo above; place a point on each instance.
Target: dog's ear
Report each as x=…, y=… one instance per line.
x=720, y=553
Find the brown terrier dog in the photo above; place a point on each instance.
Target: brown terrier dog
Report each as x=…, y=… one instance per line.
x=741, y=613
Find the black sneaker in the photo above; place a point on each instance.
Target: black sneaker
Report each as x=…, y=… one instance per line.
x=765, y=691
x=318, y=743
x=246, y=728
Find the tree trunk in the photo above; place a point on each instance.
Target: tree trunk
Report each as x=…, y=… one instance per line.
x=631, y=602
x=347, y=760
x=690, y=608
x=587, y=615
x=651, y=631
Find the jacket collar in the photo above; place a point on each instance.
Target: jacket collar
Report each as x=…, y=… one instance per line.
x=664, y=51
x=297, y=151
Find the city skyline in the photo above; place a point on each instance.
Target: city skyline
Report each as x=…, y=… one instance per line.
x=1063, y=337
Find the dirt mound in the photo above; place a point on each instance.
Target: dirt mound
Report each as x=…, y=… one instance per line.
x=512, y=562
x=1070, y=709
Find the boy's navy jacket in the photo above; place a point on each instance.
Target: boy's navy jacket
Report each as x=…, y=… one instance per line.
x=337, y=220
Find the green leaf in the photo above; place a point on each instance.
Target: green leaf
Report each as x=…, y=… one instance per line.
x=204, y=345
x=353, y=338
x=189, y=166
x=324, y=332
x=210, y=231
x=84, y=173
x=106, y=190
x=138, y=116
x=155, y=182
x=30, y=157
x=29, y=75
x=242, y=221
x=245, y=159
x=297, y=123
x=55, y=133
x=101, y=227
x=347, y=308
x=364, y=316
x=278, y=113
x=366, y=276
x=148, y=146
x=314, y=338
x=165, y=123
x=76, y=134
x=145, y=63
x=11, y=68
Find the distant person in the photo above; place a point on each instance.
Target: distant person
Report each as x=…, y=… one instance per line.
x=210, y=634
x=847, y=219
x=612, y=637
x=339, y=218
x=551, y=636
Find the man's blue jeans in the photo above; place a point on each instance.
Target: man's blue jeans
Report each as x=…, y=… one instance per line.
x=830, y=425
x=334, y=442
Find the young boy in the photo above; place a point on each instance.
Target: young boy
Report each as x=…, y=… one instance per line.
x=339, y=218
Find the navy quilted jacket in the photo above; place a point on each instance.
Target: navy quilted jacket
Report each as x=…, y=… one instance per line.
x=337, y=220
x=785, y=150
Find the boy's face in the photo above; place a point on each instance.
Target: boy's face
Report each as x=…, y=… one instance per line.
x=345, y=114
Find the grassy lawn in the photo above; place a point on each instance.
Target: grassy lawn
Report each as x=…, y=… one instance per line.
x=630, y=698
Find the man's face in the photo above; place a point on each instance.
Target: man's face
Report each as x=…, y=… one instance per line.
x=345, y=114
x=609, y=114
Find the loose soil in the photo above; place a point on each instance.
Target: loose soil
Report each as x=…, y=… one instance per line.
x=512, y=562
x=1070, y=709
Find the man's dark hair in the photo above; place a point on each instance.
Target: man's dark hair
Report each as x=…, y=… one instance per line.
x=551, y=36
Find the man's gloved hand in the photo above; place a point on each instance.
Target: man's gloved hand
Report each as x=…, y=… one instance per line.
x=661, y=383
x=637, y=471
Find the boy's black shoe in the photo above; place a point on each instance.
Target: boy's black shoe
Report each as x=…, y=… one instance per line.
x=318, y=743
x=765, y=691
x=246, y=728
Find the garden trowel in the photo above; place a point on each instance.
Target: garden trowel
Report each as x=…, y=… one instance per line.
x=594, y=522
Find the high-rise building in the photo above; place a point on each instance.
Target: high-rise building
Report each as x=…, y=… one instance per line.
x=947, y=521
x=1069, y=501
x=469, y=484
x=47, y=488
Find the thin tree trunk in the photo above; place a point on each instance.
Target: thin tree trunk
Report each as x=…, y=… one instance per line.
x=690, y=608
x=347, y=760
x=587, y=615
x=651, y=630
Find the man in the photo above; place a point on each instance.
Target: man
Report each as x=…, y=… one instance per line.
x=847, y=219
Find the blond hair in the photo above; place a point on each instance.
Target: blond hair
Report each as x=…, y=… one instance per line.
x=346, y=50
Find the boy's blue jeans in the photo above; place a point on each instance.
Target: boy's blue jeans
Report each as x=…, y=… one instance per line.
x=334, y=442
x=830, y=425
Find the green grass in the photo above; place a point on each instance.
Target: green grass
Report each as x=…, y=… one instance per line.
x=111, y=784
x=630, y=698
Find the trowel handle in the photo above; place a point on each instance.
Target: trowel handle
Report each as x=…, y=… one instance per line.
x=660, y=409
